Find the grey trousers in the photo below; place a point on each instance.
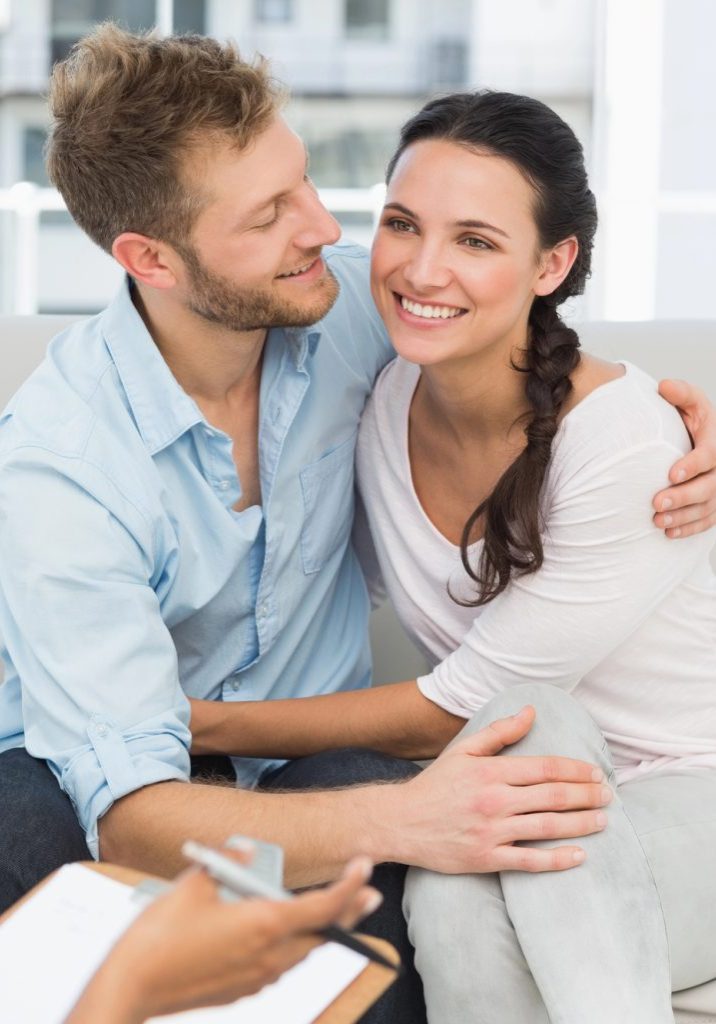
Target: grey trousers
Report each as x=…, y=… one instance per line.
x=602, y=943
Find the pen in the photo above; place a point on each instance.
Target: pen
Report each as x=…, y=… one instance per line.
x=244, y=883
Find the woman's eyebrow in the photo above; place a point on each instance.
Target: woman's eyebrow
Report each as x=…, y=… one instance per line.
x=401, y=209
x=480, y=225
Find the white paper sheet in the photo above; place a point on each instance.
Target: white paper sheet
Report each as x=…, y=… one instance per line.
x=296, y=998
x=52, y=945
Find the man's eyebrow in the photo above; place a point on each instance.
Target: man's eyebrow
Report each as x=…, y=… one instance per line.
x=481, y=225
x=255, y=210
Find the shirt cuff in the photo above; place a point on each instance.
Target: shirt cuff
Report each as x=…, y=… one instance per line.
x=117, y=763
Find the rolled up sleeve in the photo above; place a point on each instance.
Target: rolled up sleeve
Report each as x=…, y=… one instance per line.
x=81, y=618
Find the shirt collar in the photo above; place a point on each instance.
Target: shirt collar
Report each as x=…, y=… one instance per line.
x=162, y=409
x=302, y=342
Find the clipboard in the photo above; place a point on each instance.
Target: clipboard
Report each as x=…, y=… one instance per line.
x=346, y=1009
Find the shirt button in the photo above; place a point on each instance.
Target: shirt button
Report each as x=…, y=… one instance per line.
x=224, y=485
x=235, y=685
x=263, y=611
x=102, y=730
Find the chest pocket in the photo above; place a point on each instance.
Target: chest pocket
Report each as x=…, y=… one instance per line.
x=327, y=487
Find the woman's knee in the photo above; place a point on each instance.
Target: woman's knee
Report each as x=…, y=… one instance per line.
x=540, y=695
x=562, y=725
x=433, y=902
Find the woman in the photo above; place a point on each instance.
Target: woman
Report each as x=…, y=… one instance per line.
x=507, y=481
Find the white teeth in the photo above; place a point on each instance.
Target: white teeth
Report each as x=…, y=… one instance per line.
x=429, y=312
x=301, y=270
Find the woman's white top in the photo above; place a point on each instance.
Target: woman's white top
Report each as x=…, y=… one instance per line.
x=618, y=614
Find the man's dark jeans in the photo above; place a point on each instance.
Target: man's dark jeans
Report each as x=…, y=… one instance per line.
x=39, y=832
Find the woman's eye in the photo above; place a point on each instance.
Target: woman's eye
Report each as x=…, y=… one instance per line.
x=399, y=225
x=476, y=243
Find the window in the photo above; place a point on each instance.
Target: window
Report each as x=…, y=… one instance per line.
x=190, y=16
x=33, y=163
x=367, y=19
x=275, y=12
x=72, y=19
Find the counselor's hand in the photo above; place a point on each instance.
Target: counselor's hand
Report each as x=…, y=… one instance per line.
x=190, y=948
x=467, y=809
x=690, y=506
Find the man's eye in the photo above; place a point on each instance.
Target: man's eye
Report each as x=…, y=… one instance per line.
x=268, y=223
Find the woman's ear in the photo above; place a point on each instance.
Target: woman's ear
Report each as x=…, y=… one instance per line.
x=555, y=264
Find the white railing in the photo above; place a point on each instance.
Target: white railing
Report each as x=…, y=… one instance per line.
x=26, y=203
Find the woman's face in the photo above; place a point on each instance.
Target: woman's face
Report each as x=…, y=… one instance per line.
x=456, y=261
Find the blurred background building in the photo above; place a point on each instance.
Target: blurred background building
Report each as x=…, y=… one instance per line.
x=635, y=78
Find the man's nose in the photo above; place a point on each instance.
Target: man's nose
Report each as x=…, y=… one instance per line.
x=320, y=226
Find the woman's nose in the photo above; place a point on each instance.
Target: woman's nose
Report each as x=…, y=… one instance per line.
x=426, y=270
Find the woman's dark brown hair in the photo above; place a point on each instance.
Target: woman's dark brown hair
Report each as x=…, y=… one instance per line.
x=546, y=151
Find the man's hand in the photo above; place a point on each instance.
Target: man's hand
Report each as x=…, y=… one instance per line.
x=495, y=802
x=689, y=506
x=190, y=948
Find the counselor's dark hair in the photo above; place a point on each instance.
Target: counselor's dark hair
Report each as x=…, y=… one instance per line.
x=546, y=151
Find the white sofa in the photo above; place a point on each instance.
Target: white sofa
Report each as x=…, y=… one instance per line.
x=684, y=349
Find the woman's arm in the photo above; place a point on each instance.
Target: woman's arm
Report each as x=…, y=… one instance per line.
x=395, y=719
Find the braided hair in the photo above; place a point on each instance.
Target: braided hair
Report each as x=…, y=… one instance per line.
x=545, y=150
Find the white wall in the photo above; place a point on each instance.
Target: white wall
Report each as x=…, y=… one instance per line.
x=656, y=173
x=539, y=47
x=686, y=263
x=24, y=47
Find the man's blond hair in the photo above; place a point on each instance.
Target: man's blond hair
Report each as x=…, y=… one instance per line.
x=126, y=109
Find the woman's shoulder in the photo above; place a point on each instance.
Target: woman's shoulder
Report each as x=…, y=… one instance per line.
x=615, y=407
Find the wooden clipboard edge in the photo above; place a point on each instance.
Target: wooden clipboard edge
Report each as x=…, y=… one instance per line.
x=350, y=1005
x=370, y=984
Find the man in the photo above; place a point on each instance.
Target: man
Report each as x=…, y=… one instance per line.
x=176, y=506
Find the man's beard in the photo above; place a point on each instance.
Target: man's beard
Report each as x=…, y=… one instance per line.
x=219, y=301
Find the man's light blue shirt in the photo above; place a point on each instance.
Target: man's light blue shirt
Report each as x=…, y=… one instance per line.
x=127, y=580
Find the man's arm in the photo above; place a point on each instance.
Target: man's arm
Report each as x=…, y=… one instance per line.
x=689, y=505
x=463, y=814
x=100, y=689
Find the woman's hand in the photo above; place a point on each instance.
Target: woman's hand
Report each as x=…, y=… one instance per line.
x=190, y=948
x=690, y=506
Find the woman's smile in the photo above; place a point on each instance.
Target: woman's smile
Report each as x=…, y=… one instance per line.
x=426, y=314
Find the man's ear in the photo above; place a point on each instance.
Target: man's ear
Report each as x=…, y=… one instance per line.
x=146, y=260
x=555, y=264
